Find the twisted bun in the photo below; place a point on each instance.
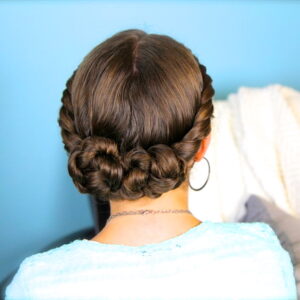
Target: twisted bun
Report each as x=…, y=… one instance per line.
x=135, y=135
x=95, y=166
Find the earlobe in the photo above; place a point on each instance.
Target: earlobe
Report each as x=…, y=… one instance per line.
x=203, y=148
x=198, y=156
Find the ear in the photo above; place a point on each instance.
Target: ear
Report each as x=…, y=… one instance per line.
x=203, y=147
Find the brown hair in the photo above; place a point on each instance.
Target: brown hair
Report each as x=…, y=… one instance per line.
x=133, y=116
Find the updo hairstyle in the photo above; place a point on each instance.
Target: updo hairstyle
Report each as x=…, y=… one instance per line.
x=133, y=116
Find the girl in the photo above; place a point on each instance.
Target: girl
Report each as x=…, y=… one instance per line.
x=135, y=117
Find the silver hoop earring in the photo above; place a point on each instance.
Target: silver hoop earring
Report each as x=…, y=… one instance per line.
x=206, y=179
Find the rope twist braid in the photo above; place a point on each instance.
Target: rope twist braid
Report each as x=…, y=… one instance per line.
x=97, y=167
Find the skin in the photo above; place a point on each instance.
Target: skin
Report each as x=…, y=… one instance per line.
x=138, y=230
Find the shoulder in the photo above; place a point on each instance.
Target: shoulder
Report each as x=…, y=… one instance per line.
x=65, y=253
x=260, y=243
x=37, y=261
x=254, y=249
x=255, y=239
x=35, y=268
x=263, y=233
x=248, y=231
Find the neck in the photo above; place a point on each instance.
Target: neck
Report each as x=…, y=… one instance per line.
x=174, y=199
x=140, y=229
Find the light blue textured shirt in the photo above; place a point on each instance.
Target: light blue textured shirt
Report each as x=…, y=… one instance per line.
x=211, y=261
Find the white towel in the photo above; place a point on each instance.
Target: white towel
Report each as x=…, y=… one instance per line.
x=254, y=149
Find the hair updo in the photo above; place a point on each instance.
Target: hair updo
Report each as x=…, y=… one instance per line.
x=133, y=116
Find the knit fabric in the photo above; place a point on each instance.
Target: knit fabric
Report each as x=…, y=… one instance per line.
x=213, y=260
x=256, y=137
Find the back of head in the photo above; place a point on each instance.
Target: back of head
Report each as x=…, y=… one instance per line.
x=133, y=116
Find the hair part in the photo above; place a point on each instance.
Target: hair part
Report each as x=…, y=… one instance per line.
x=133, y=116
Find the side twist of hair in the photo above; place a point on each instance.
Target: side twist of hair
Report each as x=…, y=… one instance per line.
x=133, y=116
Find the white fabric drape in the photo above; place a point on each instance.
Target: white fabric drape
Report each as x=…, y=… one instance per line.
x=254, y=149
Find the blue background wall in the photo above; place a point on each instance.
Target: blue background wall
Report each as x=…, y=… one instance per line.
x=250, y=43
